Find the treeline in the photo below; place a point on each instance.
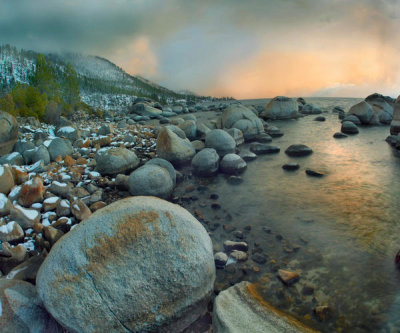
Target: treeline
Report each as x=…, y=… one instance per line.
x=50, y=93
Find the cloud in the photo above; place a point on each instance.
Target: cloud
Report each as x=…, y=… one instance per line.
x=224, y=47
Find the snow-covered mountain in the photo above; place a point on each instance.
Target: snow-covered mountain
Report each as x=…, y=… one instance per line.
x=102, y=83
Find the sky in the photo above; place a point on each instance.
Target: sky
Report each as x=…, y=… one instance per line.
x=239, y=48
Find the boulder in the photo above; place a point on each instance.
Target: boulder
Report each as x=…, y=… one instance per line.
x=26, y=218
x=80, y=210
x=280, y=108
x=206, y=162
x=22, y=310
x=241, y=308
x=190, y=129
x=310, y=109
x=115, y=160
x=232, y=164
x=352, y=118
x=349, y=127
x=173, y=148
x=221, y=141
x=14, y=158
x=105, y=129
x=41, y=154
x=262, y=148
x=395, y=125
x=6, y=179
x=145, y=110
x=8, y=132
x=166, y=165
x=298, y=150
x=240, y=117
x=22, y=145
x=236, y=134
x=59, y=147
x=363, y=111
x=140, y=264
x=31, y=192
x=151, y=179
x=68, y=132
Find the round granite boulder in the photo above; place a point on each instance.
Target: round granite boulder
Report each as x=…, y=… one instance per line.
x=115, y=160
x=140, y=264
x=8, y=132
x=221, y=141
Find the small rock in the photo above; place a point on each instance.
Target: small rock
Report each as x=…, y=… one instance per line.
x=5, y=205
x=11, y=232
x=349, y=127
x=298, y=150
x=232, y=164
x=6, y=179
x=63, y=208
x=238, y=246
x=322, y=312
x=52, y=234
x=31, y=192
x=80, y=210
x=220, y=259
x=261, y=148
x=291, y=166
x=239, y=255
x=314, y=173
x=26, y=218
x=235, y=180
x=288, y=277
x=339, y=135
x=319, y=118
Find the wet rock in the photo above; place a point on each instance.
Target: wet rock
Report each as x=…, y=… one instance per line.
x=31, y=192
x=319, y=118
x=115, y=160
x=80, y=210
x=235, y=180
x=263, y=138
x=220, y=259
x=248, y=156
x=232, y=164
x=288, y=277
x=322, y=312
x=151, y=179
x=241, y=308
x=242, y=118
x=230, y=246
x=6, y=179
x=310, y=109
x=174, y=148
x=349, y=127
x=337, y=109
x=239, y=255
x=291, y=166
x=280, y=108
x=26, y=218
x=221, y=141
x=259, y=258
x=59, y=147
x=298, y=150
x=11, y=232
x=144, y=232
x=8, y=132
x=206, y=162
x=273, y=131
x=314, y=173
x=339, y=135
x=352, y=118
x=262, y=148
x=363, y=111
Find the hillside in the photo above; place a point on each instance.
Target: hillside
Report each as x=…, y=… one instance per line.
x=102, y=83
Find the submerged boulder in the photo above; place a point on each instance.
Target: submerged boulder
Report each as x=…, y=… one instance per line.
x=140, y=264
x=281, y=108
x=8, y=132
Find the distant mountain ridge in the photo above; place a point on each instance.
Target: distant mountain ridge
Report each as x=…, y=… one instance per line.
x=102, y=83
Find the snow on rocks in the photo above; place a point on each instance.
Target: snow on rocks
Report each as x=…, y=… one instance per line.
x=6, y=179
x=5, y=205
x=11, y=232
x=26, y=218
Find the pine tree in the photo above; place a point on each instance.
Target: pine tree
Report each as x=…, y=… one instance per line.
x=44, y=78
x=71, y=91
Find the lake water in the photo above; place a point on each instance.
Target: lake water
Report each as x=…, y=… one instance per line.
x=340, y=232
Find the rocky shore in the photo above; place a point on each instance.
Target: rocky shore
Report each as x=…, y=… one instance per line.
x=113, y=224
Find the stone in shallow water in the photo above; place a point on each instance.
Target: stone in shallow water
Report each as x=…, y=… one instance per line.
x=339, y=135
x=314, y=173
x=291, y=166
x=288, y=277
x=298, y=150
x=349, y=127
x=261, y=148
x=241, y=309
x=139, y=264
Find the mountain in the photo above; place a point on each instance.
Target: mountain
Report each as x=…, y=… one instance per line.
x=102, y=83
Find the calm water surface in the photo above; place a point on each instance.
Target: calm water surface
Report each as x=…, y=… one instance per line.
x=340, y=232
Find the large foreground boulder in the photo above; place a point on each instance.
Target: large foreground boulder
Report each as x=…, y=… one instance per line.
x=241, y=309
x=281, y=108
x=363, y=111
x=115, y=160
x=140, y=264
x=240, y=117
x=8, y=132
x=21, y=310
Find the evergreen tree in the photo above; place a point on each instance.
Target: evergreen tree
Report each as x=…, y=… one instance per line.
x=45, y=80
x=71, y=91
